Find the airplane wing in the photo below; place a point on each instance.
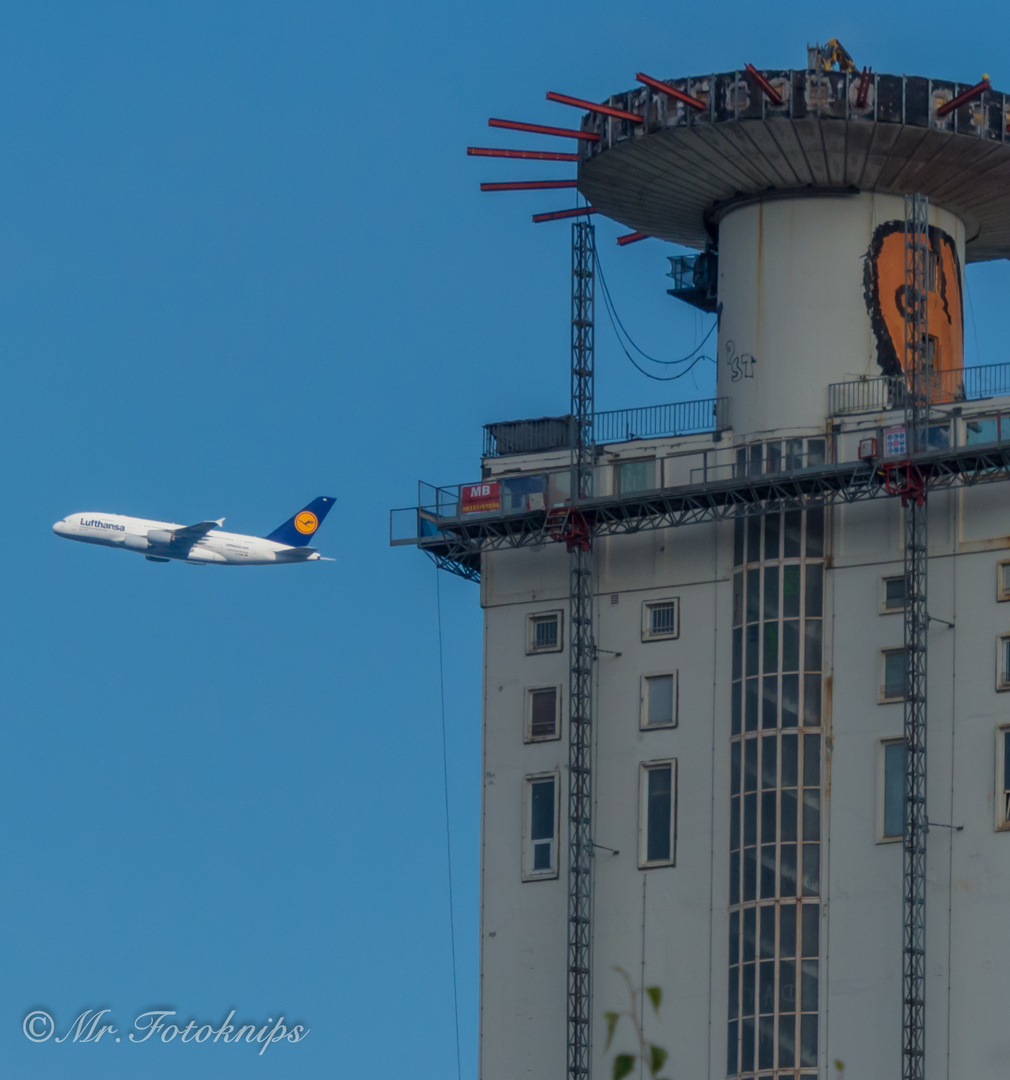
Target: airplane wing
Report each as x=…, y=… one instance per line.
x=189, y=535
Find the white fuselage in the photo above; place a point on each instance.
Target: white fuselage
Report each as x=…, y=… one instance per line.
x=153, y=538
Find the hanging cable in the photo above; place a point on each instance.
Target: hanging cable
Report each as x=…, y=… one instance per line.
x=448, y=838
x=616, y=322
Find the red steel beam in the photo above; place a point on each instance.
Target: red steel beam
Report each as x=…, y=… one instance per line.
x=556, y=215
x=864, y=87
x=671, y=91
x=540, y=129
x=762, y=84
x=528, y=155
x=964, y=97
x=591, y=106
x=529, y=185
x=632, y=238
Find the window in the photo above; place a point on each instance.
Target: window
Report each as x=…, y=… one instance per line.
x=543, y=632
x=892, y=686
x=893, y=593
x=658, y=814
x=660, y=619
x=543, y=713
x=1003, y=662
x=659, y=701
x=635, y=476
x=891, y=788
x=540, y=827
x=1003, y=581
x=1003, y=779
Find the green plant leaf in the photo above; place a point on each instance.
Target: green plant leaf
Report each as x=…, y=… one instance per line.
x=623, y=1064
x=611, y=1018
x=657, y=1055
x=655, y=996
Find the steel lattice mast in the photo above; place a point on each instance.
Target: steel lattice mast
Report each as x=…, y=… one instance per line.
x=915, y=822
x=581, y=656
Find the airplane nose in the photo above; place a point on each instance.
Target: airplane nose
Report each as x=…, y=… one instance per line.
x=60, y=528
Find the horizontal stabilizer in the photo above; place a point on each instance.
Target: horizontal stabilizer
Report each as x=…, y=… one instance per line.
x=294, y=554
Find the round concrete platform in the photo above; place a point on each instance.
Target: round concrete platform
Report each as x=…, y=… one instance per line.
x=673, y=175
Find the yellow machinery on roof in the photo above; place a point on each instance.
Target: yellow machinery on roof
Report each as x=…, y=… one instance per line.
x=824, y=58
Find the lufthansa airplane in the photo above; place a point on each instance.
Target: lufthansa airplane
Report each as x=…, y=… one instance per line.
x=160, y=541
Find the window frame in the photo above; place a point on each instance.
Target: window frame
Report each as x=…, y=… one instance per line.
x=647, y=608
x=882, y=744
x=1003, y=581
x=644, y=769
x=531, y=622
x=528, y=844
x=528, y=735
x=643, y=712
x=1002, y=791
x=619, y=466
x=886, y=609
x=883, y=698
x=1002, y=663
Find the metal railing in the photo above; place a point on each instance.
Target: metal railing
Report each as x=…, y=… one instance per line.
x=946, y=387
x=615, y=425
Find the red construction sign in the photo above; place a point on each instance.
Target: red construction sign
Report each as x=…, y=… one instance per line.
x=480, y=498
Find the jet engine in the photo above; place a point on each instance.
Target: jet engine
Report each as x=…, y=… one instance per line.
x=135, y=543
x=161, y=537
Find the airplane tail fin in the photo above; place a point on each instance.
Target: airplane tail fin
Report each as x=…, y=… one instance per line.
x=299, y=529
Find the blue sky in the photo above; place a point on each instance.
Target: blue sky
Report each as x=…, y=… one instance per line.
x=245, y=262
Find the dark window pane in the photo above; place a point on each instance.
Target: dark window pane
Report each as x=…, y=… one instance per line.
x=747, y=1045
x=749, y=934
x=771, y=646
x=734, y=937
x=737, y=599
x=542, y=816
x=811, y=869
x=750, y=820
x=787, y=1041
x=738, y=528
x=659, y=695
x=808, y=998
x=811, y=760
x=734, y=823
x=731, y=1049
x=812, y=645
x=787, y=986
x=815, y=451
x=1006, y=760
x=749, y=874
x=734, y=992
x=544, y=709
x=811, y=701
x=768, y=932
x=751, y=704
x=794, y=454
x=773, y=456
x=754, y=538
x=894, y=788
x=766, y=1040
x=791, y=645
x=894, y=673
x=789, y=761
x=788, y=814
x=770, y=702
x=768, y=816
x=793, y=523
x=734, y=877
x=753, y=649
x=790, y=591
x=814, y=604
x=660, y=804
x=750, y=765
x=771, y=604
x=753, y=595
x=811, y=929
x=769, y=761
x=734, y=766
x=773, y=524
x=736, y=706
x=768, y=872
x=812, y=814
x=737, y=653
x=808, y=1039
x=542, y=856
x=787, y=872
x=766, y=990
x=790, y=700
x=787, y=930
x=815, y=532
x=894, y=593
